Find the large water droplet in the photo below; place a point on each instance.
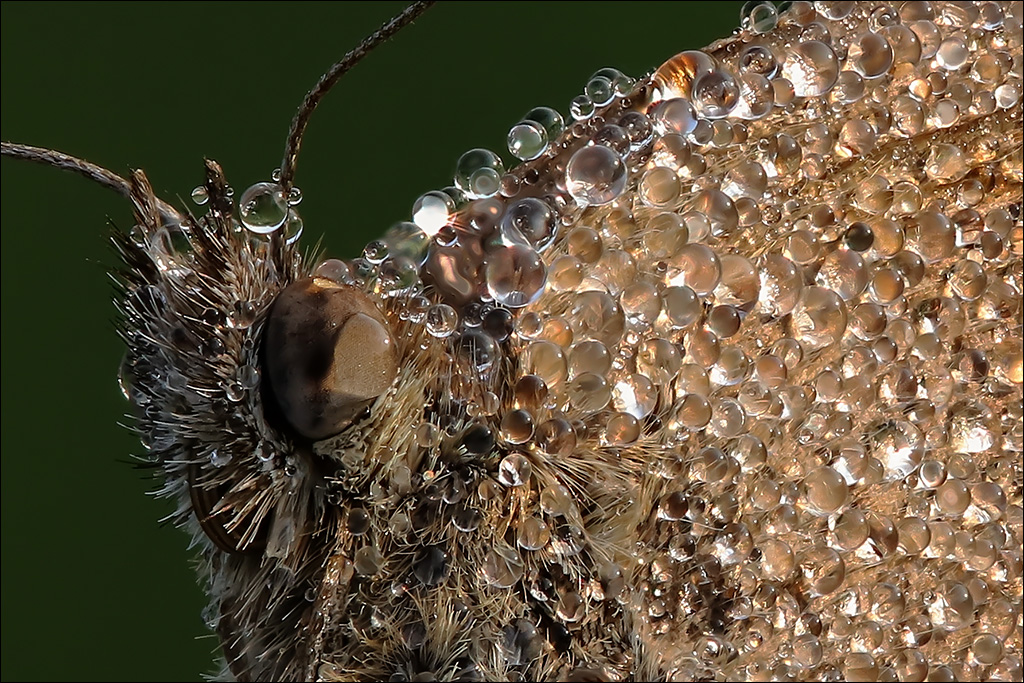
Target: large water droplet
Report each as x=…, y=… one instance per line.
x=527, y=140
x=515, y=275
x=812, y=68
x=549, y=119
x=675, y=77
x=263, y=208
x=595, y=176
x=715, y=94
x=478, y=173
x=432, y=211
x=529, y=221
x=819, y=319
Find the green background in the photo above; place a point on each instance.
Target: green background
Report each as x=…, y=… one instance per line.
x=93, y=586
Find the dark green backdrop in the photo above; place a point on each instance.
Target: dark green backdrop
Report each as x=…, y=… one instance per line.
x=93, y=586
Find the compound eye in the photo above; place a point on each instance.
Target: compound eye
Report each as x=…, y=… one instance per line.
x=329, y=353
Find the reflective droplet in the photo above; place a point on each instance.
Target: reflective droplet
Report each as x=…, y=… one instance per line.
x=527, y=140
x=595, y=176
x=431, y=566
x=674, y=78
x=781, y=284
x=693, y=412
x=715, y=95
x=263, y=208
x=824, y=491
x=477, y=349
x=478, y=173
x=407, y=240
x=549, y=119
x=432, y=211
x=622, y=429
x=614, y=137
x=946, y=163
x=659, y=187
x=502, y=567
x=758, y=16
x=819, y=319
x=441, y=320
x=515, y=275
x=870, y=54
x=674, y=116
x=367, y=560
x=219, y=457
x=589, y=392
x=556, y=437
x=529, y=221
x=696, y=266
x=514, y=470
x=681, y=305
x=812, y=68
x=534, y=533
x=635, y=394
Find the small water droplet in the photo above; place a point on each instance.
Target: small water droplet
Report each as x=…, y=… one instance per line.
x=478, y=173
x=234, y=391
x=581, y=107
x=527, y=140
x=219, y=457
x=431, y=566
x=441, y=320
x=514, y=470
x=248, y=376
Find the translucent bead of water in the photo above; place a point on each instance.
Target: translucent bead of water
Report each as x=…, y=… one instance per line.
x=595, y=176
x=263, y=208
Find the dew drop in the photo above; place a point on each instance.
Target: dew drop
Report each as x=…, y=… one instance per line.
x=758, y=16
x=581, y=107
x=534, y=534
x=527, y=140
x=715, y=94
x=529, y=221
x=478, y=173
x=263, y=208
x=407, y=240
x=549, y=119
x=674, y=78
x=219, y=457
x=819, y=320
x=514, y=470
x=595, y=176
x=431, y=566
x=812, y=68
x=502, y=567
x=432, y=211
x=441, y=320
x=515, y=275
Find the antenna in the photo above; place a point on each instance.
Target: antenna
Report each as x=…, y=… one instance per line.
x=332, y=76
x=86, y=169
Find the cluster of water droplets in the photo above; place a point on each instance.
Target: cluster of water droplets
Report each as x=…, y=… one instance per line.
x=264, y=208
x=715, y=260
x=786, y=271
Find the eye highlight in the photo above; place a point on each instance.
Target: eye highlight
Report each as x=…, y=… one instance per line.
x=329, y=353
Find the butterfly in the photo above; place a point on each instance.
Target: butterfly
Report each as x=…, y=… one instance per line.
x=135, y=603
x=813, y=336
